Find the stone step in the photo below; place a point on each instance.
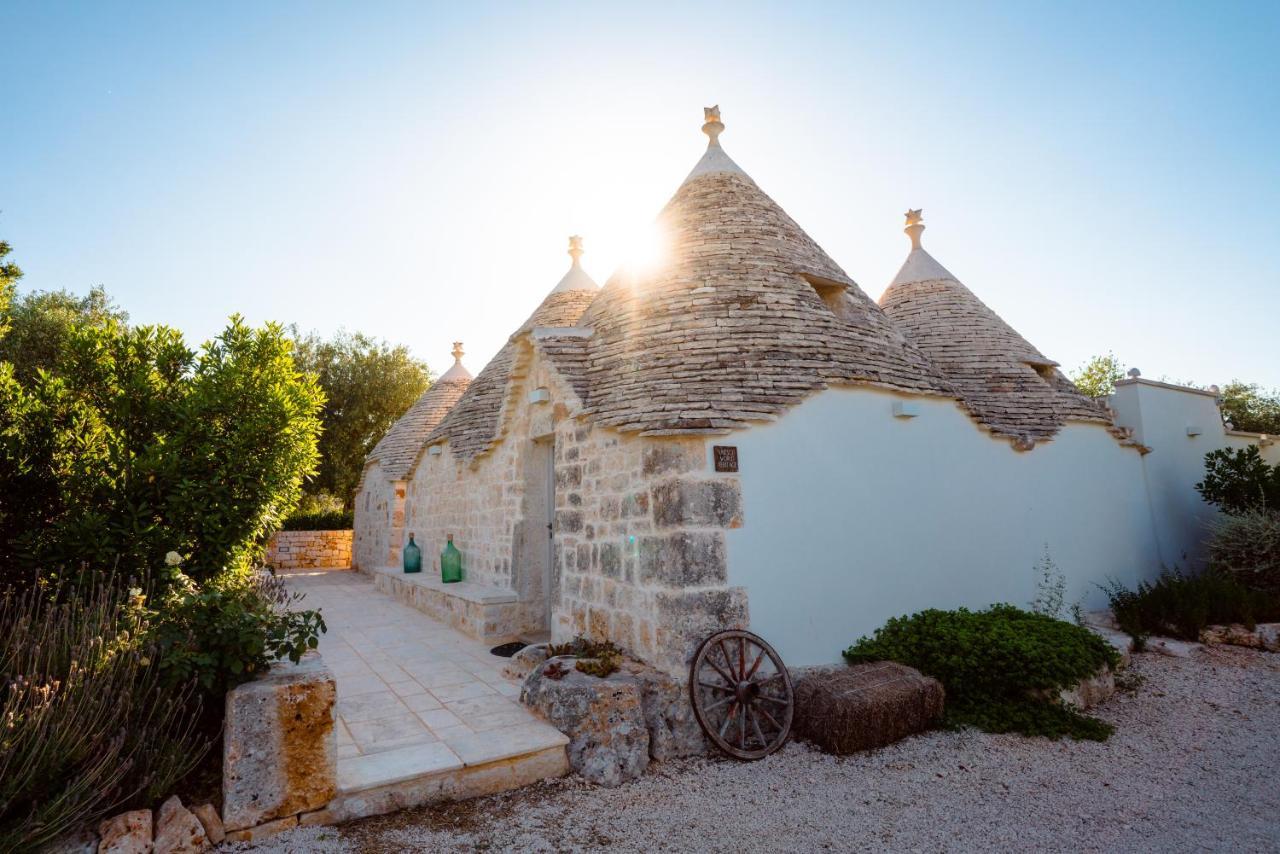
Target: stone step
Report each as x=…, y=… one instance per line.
x=483, y=763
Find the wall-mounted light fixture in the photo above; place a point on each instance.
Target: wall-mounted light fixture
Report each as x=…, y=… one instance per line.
x=1193, y=430
x=434, y=450
x=905, y=409
x=539, y=395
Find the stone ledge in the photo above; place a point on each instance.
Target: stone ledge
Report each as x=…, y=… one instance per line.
x=489, y=614
x=457, y=784
x=466, y=590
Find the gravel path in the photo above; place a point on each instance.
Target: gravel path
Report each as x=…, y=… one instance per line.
x=1194, y=765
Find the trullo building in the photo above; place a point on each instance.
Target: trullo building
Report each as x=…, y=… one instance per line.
x=742, y=437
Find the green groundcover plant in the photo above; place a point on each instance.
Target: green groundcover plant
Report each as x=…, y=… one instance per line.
x=1002, y=667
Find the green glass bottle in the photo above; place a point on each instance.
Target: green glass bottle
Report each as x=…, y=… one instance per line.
x=412, y=556
x=450, y=563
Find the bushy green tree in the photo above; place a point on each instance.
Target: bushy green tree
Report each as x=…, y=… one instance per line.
x=41, y=326
x=368, y=384
x=1246, y=406
x=1098, y=376
x=1239, y=480
x=10, y=273
x=139, y=446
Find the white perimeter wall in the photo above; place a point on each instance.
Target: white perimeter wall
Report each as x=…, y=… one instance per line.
x=852, y=516
x=1160, y=416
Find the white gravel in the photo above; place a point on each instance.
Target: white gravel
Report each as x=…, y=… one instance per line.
x=1194, y=765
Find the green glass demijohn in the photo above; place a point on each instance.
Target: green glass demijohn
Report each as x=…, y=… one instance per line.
x=412, y=556
x=450, y=563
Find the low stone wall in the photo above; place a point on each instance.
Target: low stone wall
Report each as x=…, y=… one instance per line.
x=279, y=758
x=309, y=550
x=488, y=614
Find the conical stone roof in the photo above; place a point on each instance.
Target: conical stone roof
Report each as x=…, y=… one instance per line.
x=746, y=316
x=472, y=425
x=1008, y=385
x=399, y=448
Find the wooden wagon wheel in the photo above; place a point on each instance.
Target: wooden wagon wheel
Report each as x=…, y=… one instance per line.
x=741, y=693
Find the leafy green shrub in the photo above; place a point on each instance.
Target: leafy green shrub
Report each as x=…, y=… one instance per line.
x=326, y=520
x=1002, y=668
x=1246, y=546
x=136, y=446
x=89, y=723
x=230, y=629
x=1181, y=606
x=1239, y=480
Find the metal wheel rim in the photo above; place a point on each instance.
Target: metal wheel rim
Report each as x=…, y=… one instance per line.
x=744, y=707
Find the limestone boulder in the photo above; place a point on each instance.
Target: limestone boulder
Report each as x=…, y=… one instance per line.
x=603, y=718
x=178, y=831
x=211, y=823
x=279, y=746
x=668, y=715
x=1265, y=636
x=843, y=709
x=1090, y=692
x=523, y=662
x=127, y=833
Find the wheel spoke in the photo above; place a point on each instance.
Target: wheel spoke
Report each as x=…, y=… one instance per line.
x=755, y=724
x=715, y=686
x=728, y=719
x=742, y=727
x=742, y=659
x=754, y=666
x=728, y=662
x=725, y=676
x=770, y=718
x=718, y=703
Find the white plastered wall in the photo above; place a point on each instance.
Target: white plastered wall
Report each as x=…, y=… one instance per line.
x=852, y=515
x=1179, y=425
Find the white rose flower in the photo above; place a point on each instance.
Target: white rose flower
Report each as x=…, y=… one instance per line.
x=172, y=559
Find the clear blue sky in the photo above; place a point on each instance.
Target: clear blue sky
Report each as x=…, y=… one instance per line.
x=1104, y=175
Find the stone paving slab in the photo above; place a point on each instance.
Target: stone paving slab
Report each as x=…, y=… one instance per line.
x=415, y=697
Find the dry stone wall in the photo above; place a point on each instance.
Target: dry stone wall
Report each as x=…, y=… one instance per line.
x=309, y=550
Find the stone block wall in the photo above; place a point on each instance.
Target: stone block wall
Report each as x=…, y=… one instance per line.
x=309, y=550
x=379, y=535
x=639, y=525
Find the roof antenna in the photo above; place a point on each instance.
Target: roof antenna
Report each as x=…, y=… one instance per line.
x=915, y=226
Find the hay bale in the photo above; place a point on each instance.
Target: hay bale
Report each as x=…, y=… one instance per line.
x=846, y=709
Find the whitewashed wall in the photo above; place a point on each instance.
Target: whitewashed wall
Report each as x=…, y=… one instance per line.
x=1161, y=416
x=852, y=516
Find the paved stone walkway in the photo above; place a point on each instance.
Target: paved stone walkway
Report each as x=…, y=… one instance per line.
x=415, y=697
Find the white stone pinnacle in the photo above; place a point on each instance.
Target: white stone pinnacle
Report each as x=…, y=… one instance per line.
x=714, y=160
x=457, y=372
x=576, y=279
x=920, y=266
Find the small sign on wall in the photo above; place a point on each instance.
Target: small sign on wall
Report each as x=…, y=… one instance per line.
x=726, y=457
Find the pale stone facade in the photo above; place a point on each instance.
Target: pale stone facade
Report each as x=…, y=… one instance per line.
x=309, y=550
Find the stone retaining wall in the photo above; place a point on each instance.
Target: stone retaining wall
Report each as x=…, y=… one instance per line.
x=310, y=550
